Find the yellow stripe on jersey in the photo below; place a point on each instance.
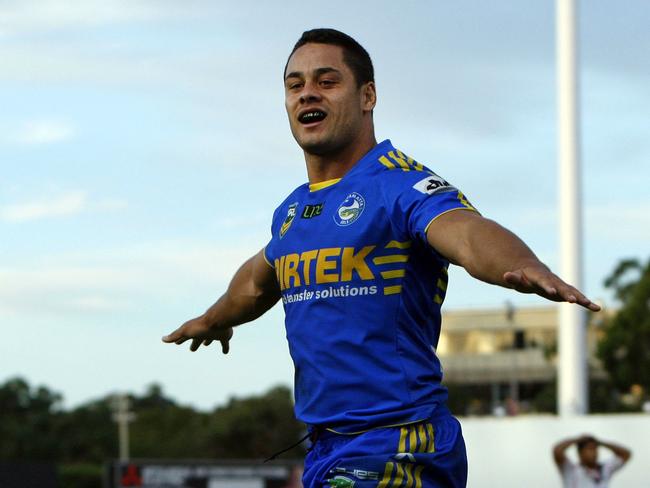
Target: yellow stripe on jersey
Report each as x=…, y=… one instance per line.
x=399, y=160
x=391, y=258
x=403, y=432
x=413, y=442
x=396, y=273
x=422, y=436
x=388, y=473
x=464, y=201
x=408, y=468
x=399, y=245
x=442, y=285
x=399, y=476
x=384, y=160
x=431, y=447
x=438, y=299
x=323, y=184
x=392, y=290
x=418, y=476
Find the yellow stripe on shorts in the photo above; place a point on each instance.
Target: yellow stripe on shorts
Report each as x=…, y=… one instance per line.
x=388, y=473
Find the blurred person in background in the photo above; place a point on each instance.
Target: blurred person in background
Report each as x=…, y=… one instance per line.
x=588, y=472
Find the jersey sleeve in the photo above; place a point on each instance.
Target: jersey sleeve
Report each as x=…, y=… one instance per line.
x=418, y=198
x=269, y=249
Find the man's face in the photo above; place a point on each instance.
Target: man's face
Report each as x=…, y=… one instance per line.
x=589, y=454
x=327, y=110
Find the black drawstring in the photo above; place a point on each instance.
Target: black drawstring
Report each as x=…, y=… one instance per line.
x=310, y=435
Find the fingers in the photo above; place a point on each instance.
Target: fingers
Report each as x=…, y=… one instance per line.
x=175, y=337
x=199, y=335
x=546, y=284
x=573, y=295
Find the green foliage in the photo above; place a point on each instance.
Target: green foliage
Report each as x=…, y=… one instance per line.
x=625, y=347
x=28, y=418
x=256, y=426
x=87, y=434
x=80, y=475
x=34, y=427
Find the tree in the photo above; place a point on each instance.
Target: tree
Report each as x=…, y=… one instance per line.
x=27, y=421
x=625, y=347
x=256, y=427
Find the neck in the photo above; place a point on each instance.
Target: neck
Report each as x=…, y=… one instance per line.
x=323, y=167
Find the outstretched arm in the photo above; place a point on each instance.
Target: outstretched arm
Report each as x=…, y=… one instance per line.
x=621, y=452
x=252, y=291
x=559, y=451
x=493, y=254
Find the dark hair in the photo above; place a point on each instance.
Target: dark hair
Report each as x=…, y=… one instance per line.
x=354, y=55
x=585, y=441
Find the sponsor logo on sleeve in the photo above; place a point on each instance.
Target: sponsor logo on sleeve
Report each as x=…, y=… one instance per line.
x=350, y=209
x=432, y=184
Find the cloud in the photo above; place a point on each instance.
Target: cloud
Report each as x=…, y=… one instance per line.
x=48, y=15
x=119, y=280
x=71, y=203
x=66, y=205
x=44, y=132
x=630, y=220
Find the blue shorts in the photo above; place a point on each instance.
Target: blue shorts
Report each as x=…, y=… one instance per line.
x=428, y=454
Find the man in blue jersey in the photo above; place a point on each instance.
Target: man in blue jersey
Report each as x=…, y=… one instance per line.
x=359, y=258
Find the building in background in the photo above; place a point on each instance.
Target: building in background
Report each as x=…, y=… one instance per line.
x=503, y=361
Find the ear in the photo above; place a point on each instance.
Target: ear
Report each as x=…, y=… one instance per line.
x=368, y=96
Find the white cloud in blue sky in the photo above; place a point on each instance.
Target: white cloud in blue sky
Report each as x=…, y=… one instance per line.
x=144, y=144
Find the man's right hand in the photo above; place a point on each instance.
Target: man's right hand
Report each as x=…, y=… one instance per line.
x=201, y=333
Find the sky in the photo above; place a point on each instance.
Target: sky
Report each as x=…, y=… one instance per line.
x=144, y=145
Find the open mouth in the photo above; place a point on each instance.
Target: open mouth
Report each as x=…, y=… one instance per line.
x=312, y=116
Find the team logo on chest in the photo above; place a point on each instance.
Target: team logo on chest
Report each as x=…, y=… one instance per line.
x=350, y=209
x=291, y=214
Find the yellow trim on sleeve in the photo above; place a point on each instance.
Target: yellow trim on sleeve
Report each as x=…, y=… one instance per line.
x=266, y=259
x=323, y=184
x=446, y=212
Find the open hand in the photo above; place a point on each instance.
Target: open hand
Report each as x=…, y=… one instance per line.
x=540, y=280
x=201, y=333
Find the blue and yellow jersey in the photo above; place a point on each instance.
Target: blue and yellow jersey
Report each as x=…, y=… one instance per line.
x=362, y=291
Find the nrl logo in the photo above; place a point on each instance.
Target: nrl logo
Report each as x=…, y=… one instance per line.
x=350, y=210
x=291, y=214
